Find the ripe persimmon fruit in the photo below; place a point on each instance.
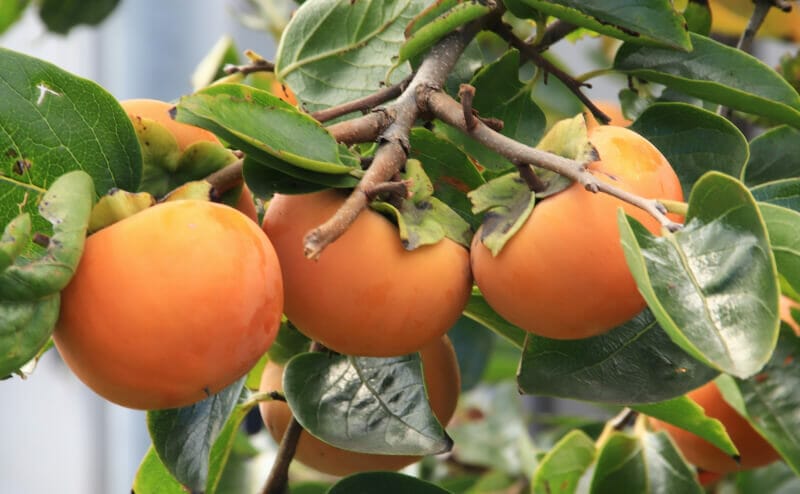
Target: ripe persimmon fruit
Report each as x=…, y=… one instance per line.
x=563, y=274
x=755, y=451
x=443, y=384
x=366, y=295
x=170, y=305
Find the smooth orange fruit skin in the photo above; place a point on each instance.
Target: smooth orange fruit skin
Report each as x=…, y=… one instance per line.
x=185, y=134
x=563, y=275
x=755, y=451
x=366, y=295
x=443, y=383
x=614, y=112
x=786, y=306
x=170, y=305
x=245, y=204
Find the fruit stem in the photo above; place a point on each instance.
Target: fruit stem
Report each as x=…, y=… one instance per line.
x=675, y=207
x=445, y=108
x=226, y=178
x=257, y=398
x=619, y=422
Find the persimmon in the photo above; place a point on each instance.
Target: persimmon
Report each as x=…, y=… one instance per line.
x=563, y=274
x=245, y=204
x=755, y=451
x=185, y=134
x=786, y=306
x=170, y=305
x=443, y=384
x=366, y=295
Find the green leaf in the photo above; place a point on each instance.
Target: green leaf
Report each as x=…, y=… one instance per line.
x=364, y=404
x=334, y=51
x=479, y=311
x=474, y=346
x=716, y=73
x=10, y=12
x=784, y=193
x=698, y=17
x=643, y=464
x=423, y=219
x=772, y=399
x=449, y=169
x=260, y=123
x=507, y=202
x=24, y=328
x=60, y=16
x=693, y=140
x=562, y=467
x=288, y=343
x=634, y=363
x=500, y=94
x=783, y=226
x=712, y=286
x=15, y=239
x=775, y=479
x=184, y=437
x=223, y=445
x=683, y=412
x=385, y=483
x=774, y=155
x=265, y=180
x=652, y=22
x=67, y=206
x=154, y=478
x=52, y=122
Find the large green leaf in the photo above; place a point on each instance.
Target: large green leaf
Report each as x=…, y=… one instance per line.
x=52, y=122
x=775, y=479
x=10, y=12
x=152, y=477
x=474, y=346
x=334, y=51
x=784, y=193
x=685, y=413
x=634, y=363
x=385, y=483
x=25, y=327
x=60, y=16
x=783, y=226
x=562, y=467
x=648, y=463
x=774, y=155
x=365, y=404
x=183, y=437
x=716, y=73
x=653, y=22
x=479, y=310
x=223, y=445
x=712, y=286
x=693, y=140
x=772, y=399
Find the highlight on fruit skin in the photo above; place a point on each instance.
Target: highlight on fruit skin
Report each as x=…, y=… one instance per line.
x=443, y=384
x=755, y=451
x=170, y=305
x=563, y=275
x=366, y=295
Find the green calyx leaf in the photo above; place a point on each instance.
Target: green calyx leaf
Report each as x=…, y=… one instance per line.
x=118, y=205
x=422, y=218
x=698, y=282
x=507, y=202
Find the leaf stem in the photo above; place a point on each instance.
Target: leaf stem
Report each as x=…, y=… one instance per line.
x=675, y=207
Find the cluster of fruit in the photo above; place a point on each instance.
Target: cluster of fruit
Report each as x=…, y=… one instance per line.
x=176, y=302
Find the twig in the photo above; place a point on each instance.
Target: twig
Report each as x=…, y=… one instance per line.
x=530, y=177
x=555, y=32
x=466, y=93
x=624, y=419
x=227, y=178
x=449, y=111
x=260, y=65
x=530, y=52
x=762, y=8
x=362, y=104
x=393, y=150
x=363, y=129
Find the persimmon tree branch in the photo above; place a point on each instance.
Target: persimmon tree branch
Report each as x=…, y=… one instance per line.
x=363, y=104
x=445, y=108
x=532, y=53
x=555, y=32
x=393, y=149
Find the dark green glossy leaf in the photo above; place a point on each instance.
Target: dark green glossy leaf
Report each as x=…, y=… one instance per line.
x=716, y=73
x=775, y=479
x=223, y=445
x=774, y=155
x=266, y=180
x=473, y=345
x=634, y=363
x=783, y=226
x=507, y=202
x=385, y=483
x=772, y=399
x=421, y=218
x=152, y=477
x=698, y=17
x=654, y=22
x=66, y=205
x=288, y=343
x=263, y=123
x=183, y=437
x=10, y=12
x=688, y=415
x=784, y=193
x=712, y=286
x=648, y=463
x=450, y=170
x=479, y=311
x=365, y=404
x=693, y=140
x=335, y=51
x=52, y=122
x=562, y=467
x=60, y=16
x=500, y=94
